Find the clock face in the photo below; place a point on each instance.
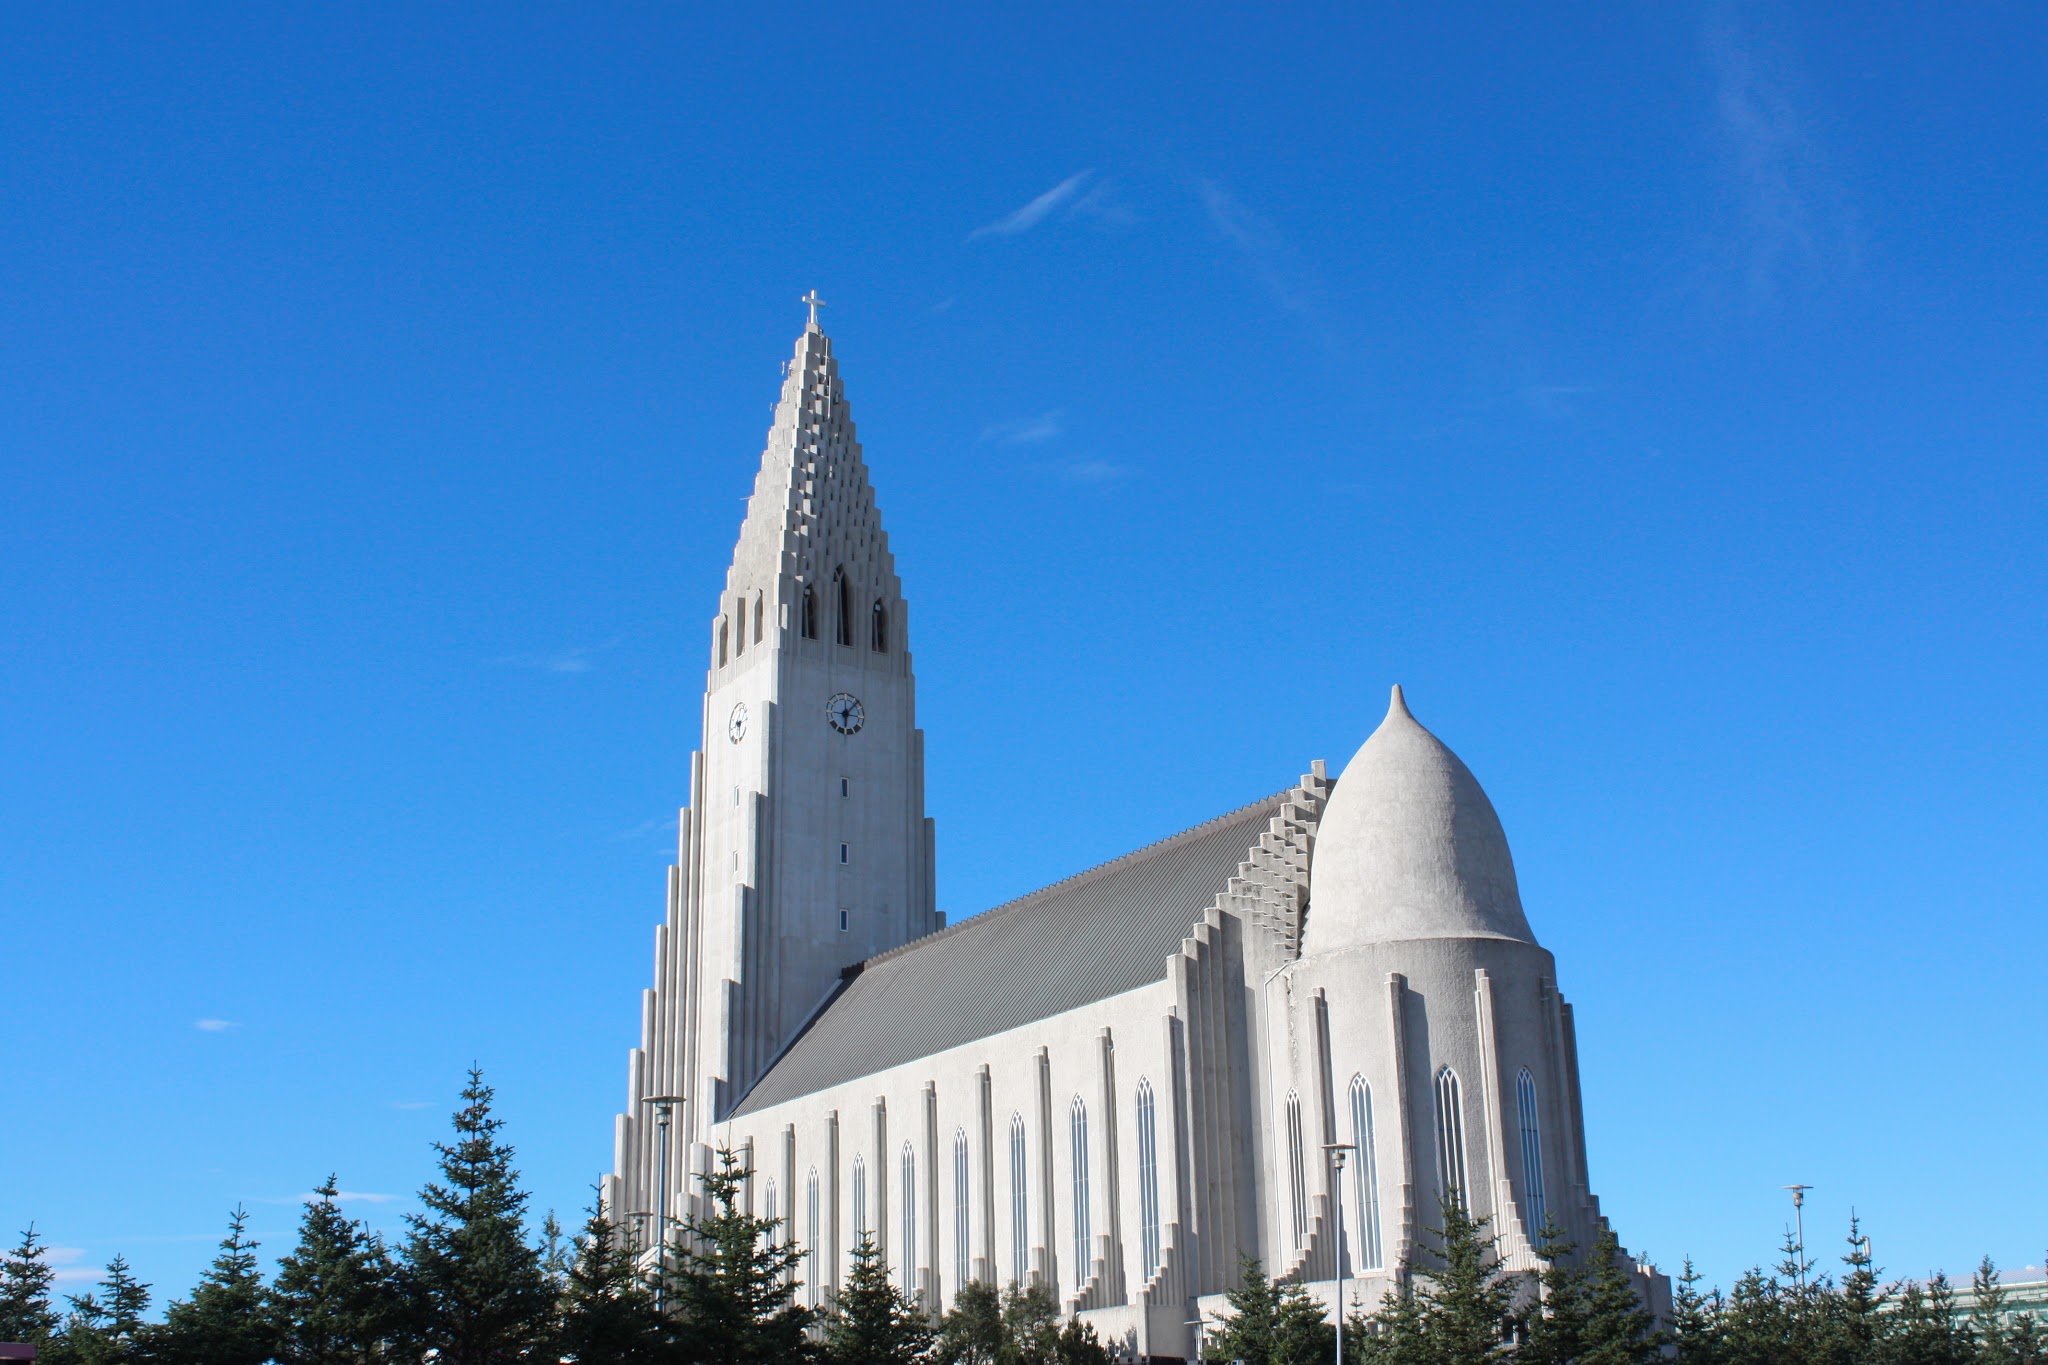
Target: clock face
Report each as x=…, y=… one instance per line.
x=736, y=727
x=844, y=711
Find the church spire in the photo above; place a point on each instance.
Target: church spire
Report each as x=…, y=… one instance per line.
x=812, y=560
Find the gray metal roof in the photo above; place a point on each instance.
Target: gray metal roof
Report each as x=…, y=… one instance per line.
x=1101, y=933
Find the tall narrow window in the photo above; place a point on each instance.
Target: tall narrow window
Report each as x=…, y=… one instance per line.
x=811, y=1240
x=860, y=1196
x=1368, y=1196
x=1020, y=1205
x=759, y=610
x=909, y=1220
x=1148, y=1180
x=878, y=633
x=768, y=1207
x=724, y=632
x=842, y=591
x=739, y=621
x=1532, y=1153
x=1297, y=1172
x=960, y=1207
x=1082, y=1240
x=809, y=613
x=1450, y=1137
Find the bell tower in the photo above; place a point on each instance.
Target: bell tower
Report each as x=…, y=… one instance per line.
x=805, y=847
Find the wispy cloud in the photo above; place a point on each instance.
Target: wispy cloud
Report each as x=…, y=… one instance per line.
x=1095, y=472
x=1266, y=253
x=576, y=660
x=1030, y=431
x=64, y=1263
x=1037, y=211
x=1791, y=210
x=214, y=1025
x=945, y=305
x=410, y=1104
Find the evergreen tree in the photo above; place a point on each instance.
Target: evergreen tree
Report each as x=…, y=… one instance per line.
x=1923, y=1329
x=1755, y=1324
x=26, y=1314
x=556, y=1253
x=474, y=1286
x=608, y=1315
x=971, y=1333
x=1695, y=1320
x=733, y=1280
x=1555, y=1327
x=1987, y=1314
x=1858, y=1318
x=871, y=1321
x=226, y=1321
x=334, y=1300
x=1250, y=1332
x=1031, y=1325
x=1395, y=1334
x=1078, y=1345
x=1619, y=1328
x=1469, y=1301
x=107, y=1327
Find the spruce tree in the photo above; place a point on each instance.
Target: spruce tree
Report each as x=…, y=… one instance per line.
x=871, y=1321
x=971, y=1333
x=1395, y=1333
x=474, y=1287
x=607, y=1314
x=1469, y=1300
x=1251, y=1330
x=1859, y=1308
x=26, y=1313
x=1554, y=1327
x=1031, y=1325
x=107, y=1327
x=226, y=1321
x=1695, y=1320
x=334, y=1300
x=1923, y=1329
x=732, y=1281
x=1078, y=1345
x=1619, y=1328
x=1987, y=1314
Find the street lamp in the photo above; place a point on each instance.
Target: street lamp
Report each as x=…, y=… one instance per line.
x=1799, y=1214
x=1338, y=1151
x=664, y=1110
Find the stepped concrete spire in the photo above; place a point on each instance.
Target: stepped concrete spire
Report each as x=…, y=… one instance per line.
x=1410, y=848
x=812, y=550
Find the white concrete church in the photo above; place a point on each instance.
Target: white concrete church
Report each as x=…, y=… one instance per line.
x=1117, y=1085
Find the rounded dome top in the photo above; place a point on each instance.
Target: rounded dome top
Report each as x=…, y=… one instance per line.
x=1409, y=847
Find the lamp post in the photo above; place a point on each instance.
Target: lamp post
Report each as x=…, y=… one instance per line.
x=1338, y=1151
x=1799, y=1215
x=664, y=1110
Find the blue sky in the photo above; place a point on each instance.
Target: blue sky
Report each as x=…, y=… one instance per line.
x=1655, y=390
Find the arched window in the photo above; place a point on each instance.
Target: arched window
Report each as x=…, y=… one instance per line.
x=724, y=629
x=1450, y=1137
x=909, y=1262
x=1020, y=1205
x=878, y=632
x=842, y=591
x=1368, y=1197
x=1082, y=1240
x=1148, y=1180
x=961, y=1231
x=811, y=1239
x=768, y=1207
x=1297, y=1171
x=860, y=1196
x=1532, y=1153
x=809, y=613
x=759, y=606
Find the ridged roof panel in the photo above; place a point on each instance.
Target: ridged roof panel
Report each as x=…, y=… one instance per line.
x=1101, y=933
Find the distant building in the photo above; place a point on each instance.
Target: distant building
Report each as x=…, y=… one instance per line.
x=1116, y=1086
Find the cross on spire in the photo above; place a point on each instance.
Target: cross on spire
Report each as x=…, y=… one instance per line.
x=816, y=303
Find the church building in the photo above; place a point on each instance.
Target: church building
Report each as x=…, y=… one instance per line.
x=1284, y=1033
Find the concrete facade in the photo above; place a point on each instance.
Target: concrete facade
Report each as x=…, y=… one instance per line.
x=1123, y=1083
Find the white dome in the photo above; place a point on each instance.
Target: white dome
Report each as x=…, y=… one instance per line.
x=1409, y=848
